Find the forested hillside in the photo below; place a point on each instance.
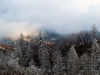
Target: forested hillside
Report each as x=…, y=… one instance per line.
x=73, y=54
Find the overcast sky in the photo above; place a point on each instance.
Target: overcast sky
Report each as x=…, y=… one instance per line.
x=62, y=16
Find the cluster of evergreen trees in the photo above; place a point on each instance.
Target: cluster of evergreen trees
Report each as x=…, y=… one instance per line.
x=23, y=60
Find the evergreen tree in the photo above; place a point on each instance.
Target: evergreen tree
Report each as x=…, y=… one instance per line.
x=57, y=61
x=72, y=61
x=43, y=55
x=29, y=55
x=95, y=48
x=85, y=64
x=95, y=55
x=20, y=50
x=94, y=32
x=3, y=57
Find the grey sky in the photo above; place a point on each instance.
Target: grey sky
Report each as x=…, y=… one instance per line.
x=63, y=16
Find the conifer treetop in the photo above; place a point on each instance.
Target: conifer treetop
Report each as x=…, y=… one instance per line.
x=94, y=31
x=95, y=46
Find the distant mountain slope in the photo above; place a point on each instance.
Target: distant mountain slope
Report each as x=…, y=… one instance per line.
x=52, y=34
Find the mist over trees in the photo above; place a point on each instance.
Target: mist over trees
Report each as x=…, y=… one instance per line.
x=73, y=54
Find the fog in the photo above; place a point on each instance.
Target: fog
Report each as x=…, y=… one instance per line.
x=14, y=29
x=61, y=16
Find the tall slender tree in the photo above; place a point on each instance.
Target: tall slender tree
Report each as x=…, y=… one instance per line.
x=43, y=55
x=94, y=32
x=57, y=61
x=72, y=61
x=95, y=54
x=20, y=49
x=29, y=55
x=85, y=64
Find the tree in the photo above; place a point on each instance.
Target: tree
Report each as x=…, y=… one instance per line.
x=95, y=55
x=94, y=32
x=83, y=37
x=4, y=57
x=43, y=55
x=57, y=61
x=95, y=48
x=29, y=55
x=85, y=64
x=20, y=50
x=72, y=61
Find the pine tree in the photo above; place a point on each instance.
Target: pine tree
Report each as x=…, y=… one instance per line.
x=57, y=61
x=40, y=38
x=20, y=49
x=72, y=61
x=29, y=55
x=95, y=55
x=85, y=64
x=43, y=55
x=94, y=32
x=95, y=48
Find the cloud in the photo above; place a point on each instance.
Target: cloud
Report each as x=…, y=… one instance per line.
x=62, y=16
x=14, y=29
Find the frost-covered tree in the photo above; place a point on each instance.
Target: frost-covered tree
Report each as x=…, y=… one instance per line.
x=94, y=32
x=72, y=61
x=32, y=70
x=43, y=55
x=29, y=55
x=40, y=38
x=18, y=70
x=14, y=63
x=20, y=49
x=95, y=54
x=95, y=48
x=57, y=61
x=4, y=57
x=85, y=64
